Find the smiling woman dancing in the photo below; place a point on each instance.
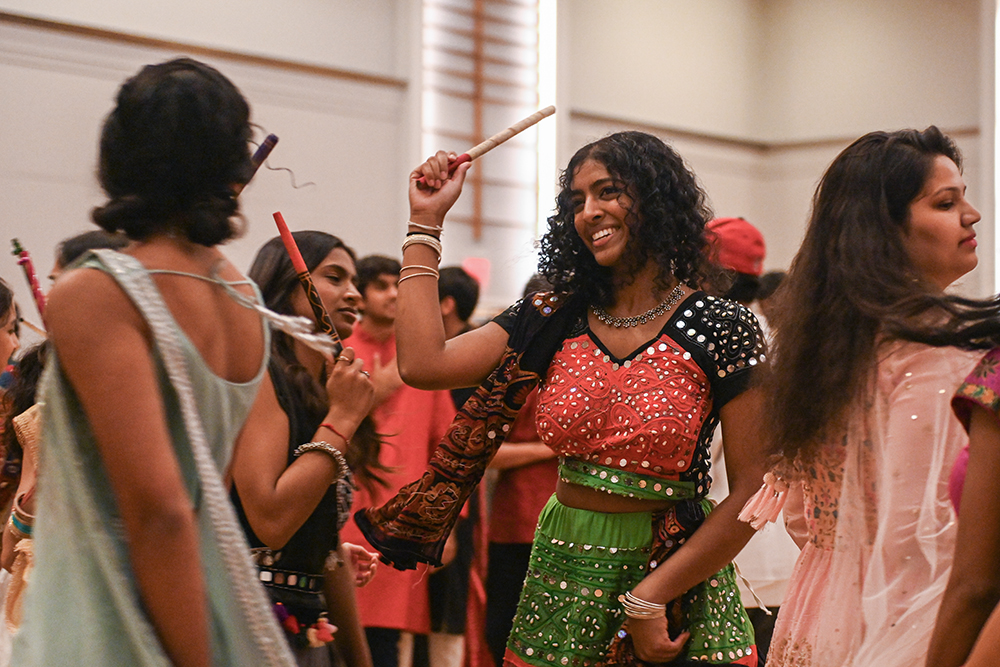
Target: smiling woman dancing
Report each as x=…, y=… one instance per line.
x=636, y=369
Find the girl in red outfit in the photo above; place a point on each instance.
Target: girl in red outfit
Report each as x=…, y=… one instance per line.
x=636, y=368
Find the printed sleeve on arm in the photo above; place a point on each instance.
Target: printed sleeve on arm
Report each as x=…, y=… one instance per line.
x=507, y=318
x=981, y=388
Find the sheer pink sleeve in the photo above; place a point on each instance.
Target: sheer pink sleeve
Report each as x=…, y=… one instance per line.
x=903, y=495
x=795, y=515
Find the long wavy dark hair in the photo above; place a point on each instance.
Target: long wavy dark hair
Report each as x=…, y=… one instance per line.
x=668, y=207
x=852, y=284
x=273, y=272
x=18, y=397
x=171, y=151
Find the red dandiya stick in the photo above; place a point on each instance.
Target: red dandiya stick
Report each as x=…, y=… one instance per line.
x=323, y=320
x=24, y=259
x=481, y=149
x=257, y=159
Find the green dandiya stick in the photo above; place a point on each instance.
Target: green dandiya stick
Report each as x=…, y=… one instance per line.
x=323, y=321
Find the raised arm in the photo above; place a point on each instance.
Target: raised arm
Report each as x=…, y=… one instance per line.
x=426, y=359
x=277, y=498
x=974, y=586
x=102, y=346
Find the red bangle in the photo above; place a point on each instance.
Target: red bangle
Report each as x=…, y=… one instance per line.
x=337, y=433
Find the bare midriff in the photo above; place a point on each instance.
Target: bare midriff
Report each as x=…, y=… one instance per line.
x=583, y=498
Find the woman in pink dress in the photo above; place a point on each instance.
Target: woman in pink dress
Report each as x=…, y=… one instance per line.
x=863, y=419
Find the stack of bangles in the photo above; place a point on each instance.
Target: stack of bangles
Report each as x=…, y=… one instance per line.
x=329, y=450
x=20, y=521
x=640, y=609
x=426, y=237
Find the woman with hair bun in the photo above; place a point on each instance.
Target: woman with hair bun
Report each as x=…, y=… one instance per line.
x=635, y=368
x=157, y=354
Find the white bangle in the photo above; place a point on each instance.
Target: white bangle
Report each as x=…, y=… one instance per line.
x=424, y=239
x=426, y=228
x=329, y=450
x=414, y=275
x=641, y=609
x=421, y=266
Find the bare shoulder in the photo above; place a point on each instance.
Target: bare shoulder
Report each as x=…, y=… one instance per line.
x=87, y=296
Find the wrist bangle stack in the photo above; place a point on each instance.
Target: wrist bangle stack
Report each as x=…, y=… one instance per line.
x=21, y=523
x=641, y=609
x=428, y=271
x=424, y=239
x=331, y=451
x=426, y=228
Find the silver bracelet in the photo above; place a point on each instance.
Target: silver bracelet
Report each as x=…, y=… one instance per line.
x=328, y=449
x=426, y=228
x=641, y=609
x=424, y=239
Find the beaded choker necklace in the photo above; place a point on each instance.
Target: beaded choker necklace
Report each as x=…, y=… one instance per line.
x=650, y=315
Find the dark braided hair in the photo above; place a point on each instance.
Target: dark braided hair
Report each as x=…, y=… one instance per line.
x=668, y=208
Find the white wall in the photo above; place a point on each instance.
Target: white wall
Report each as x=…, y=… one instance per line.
x=369, y=36
x=689, y=65
x=845, y=67
x=776, y=71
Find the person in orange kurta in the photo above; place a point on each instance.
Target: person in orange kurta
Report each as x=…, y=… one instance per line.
x=412, y=422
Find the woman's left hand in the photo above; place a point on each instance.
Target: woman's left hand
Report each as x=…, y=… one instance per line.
x=364, y=562
x=652, y=641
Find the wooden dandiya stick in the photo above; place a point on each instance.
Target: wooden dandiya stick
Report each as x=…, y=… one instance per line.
x=34, y=327
x=323, y=321
x=257, y=159
x=481, y=149
x=24, y=259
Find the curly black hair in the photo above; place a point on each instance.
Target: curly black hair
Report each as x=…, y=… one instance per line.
x=668, y=206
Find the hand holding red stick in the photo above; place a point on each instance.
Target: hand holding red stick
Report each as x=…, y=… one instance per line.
x=323, y=321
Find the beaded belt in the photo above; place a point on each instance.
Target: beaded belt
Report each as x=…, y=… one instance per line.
x=286, y=579
x=623, y=483
x=296, y=581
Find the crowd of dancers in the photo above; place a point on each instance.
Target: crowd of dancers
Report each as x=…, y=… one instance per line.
x=182, y=453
